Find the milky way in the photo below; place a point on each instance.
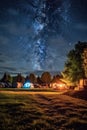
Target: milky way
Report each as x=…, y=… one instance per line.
x=43, y=25
x=38, y=34
x=39, y=43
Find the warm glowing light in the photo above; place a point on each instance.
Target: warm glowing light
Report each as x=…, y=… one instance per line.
x=59, y=86
x=19, y=84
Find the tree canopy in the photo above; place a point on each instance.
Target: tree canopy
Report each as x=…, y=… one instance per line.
x=46, y=77
x=74, y=69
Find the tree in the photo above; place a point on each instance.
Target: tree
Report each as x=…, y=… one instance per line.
x=46, y=78
x=74, y=70
x=6, y=78
x=32, y=78
x=39, y=81
x=84, y=57
x=20, y=78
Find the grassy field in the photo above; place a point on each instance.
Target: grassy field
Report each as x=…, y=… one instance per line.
x=41, y=111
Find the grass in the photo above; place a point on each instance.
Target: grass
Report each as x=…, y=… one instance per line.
x=82, y=94
x=29, y=89
x=25, y=111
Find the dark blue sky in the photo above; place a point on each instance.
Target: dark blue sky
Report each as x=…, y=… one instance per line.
x=37, y=35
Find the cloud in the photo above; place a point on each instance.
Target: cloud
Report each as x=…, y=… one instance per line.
x=13, y=12
x=2, y=61
x=81, y=26
x=3, y=40
x=7, y=68
x=57, y=50
x=58, y=44
x=4, y=57
x=0, y=54
x=14, y=29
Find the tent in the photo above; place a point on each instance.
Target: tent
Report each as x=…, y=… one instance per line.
x=28, y=84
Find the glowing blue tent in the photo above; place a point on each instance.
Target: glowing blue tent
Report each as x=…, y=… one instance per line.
x=27, y=84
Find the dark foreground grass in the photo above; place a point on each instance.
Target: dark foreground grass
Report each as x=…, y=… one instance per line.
x=42, y=112
x=81, y=94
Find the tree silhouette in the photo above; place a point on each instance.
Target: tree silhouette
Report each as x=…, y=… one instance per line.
x=46, y=78
x=20, y=78
x=74, y=70
x=32, y=78
x=6, y=78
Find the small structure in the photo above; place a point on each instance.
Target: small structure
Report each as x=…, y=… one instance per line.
x=58, y=84
x=2, y=85
x=83, y=83
x=5, y=85
x=28, y=84
x=17, y=85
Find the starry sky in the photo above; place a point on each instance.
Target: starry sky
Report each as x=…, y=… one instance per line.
x=38, y=34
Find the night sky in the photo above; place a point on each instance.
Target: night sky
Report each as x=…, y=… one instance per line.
x=38, y=34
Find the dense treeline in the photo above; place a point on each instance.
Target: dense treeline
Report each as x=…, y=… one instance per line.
x=44, y=80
